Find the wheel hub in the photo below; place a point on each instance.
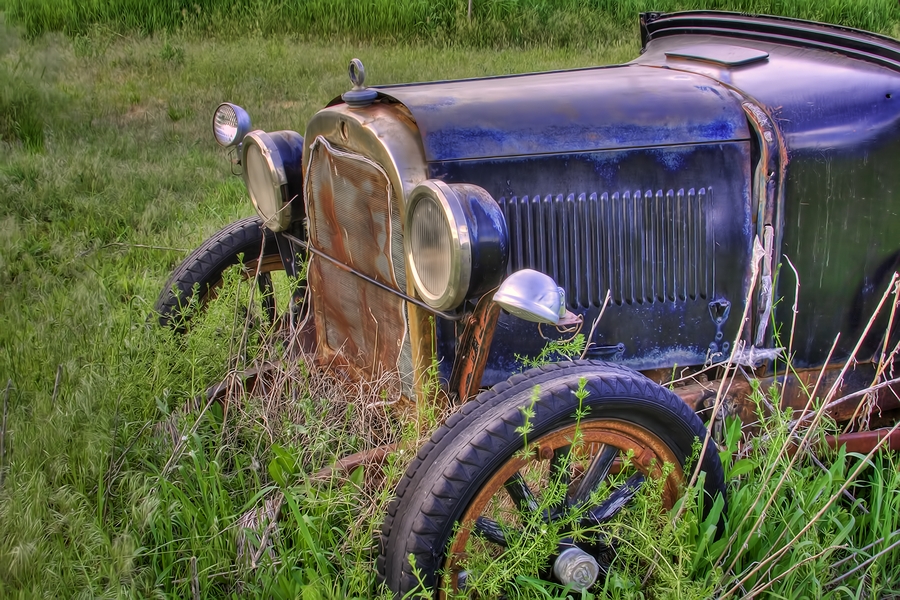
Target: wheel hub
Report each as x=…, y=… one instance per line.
x=507, y=494
x=576, y=568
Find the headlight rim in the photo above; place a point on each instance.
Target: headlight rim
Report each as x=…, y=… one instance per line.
x=460, y=245
x=280, y=220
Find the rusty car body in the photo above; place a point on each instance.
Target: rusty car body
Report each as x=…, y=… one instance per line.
x=670, y=194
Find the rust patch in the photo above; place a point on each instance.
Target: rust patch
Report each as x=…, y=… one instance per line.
x=794, y=394
x=344, y=467
x=864, y=441
x=358, y=324
x=473, y=349
x=350, y=212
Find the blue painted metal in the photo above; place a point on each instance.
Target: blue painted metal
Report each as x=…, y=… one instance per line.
x=834, y=97
x=570, y=111
x=763, y=125
x=639, y=251
x=620, y=158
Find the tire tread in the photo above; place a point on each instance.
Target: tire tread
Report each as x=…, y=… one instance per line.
x=204, y=266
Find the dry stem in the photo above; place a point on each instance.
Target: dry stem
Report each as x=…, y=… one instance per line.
x=3, y=433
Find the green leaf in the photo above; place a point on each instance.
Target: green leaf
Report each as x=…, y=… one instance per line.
x=356, y=477
x=276, y=472
x=283, y=466
x=311, y=592
x=741, y=467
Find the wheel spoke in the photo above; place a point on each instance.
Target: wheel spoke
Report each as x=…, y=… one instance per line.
x=595, y=474
x=267, y=290
x=560, y=474
x=616, y=501
x=521, y=494
x=491, y=531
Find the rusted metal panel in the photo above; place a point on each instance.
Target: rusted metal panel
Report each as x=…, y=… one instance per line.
x=473, y=349
x=794, y=391
x=350, y=211
x=360, y=322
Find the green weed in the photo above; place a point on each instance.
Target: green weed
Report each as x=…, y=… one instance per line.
x=554, y=351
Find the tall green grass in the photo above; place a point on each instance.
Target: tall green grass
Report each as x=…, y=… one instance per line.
x=576, y=23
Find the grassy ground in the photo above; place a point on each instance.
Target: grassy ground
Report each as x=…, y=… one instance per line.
x=109, y=177
x=572, y=23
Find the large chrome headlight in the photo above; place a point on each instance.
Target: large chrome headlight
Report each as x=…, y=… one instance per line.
x=456, y=242
x=272, y=172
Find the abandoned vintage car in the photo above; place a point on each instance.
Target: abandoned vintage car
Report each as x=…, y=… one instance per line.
x=454, y=223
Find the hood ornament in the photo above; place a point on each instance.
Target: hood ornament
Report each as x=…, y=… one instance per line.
x=359, y=96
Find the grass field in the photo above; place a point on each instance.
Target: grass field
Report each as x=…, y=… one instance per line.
x=110, y=176
x=571, y=23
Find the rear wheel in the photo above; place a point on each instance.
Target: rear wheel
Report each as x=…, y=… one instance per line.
x=543, y=460
x=195, y=281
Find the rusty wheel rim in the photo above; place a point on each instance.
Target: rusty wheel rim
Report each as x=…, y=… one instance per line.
x=635, y=447
x=260, y=269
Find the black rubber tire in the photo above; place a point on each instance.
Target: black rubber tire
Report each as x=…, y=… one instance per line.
x=454, y=464
x=203, y=268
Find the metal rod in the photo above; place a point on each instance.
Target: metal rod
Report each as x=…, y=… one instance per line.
x=387, y=288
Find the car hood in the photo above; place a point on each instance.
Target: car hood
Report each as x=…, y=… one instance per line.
x=620, y=107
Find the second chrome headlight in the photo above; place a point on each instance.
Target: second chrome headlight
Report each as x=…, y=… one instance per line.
x=456, y=242
x=272, y=173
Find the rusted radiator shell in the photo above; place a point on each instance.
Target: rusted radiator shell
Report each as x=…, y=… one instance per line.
x=384, y=134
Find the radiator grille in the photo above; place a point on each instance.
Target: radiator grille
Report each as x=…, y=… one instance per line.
x=354, y=219
x=362, y=321
x=643, y=246
x=353, y=213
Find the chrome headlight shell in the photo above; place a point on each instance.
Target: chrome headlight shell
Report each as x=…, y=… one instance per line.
x=230, y=124
x=272, y=173
x=456, y=242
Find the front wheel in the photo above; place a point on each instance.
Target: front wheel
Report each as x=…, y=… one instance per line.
x=195, y=281
x=545, y=459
